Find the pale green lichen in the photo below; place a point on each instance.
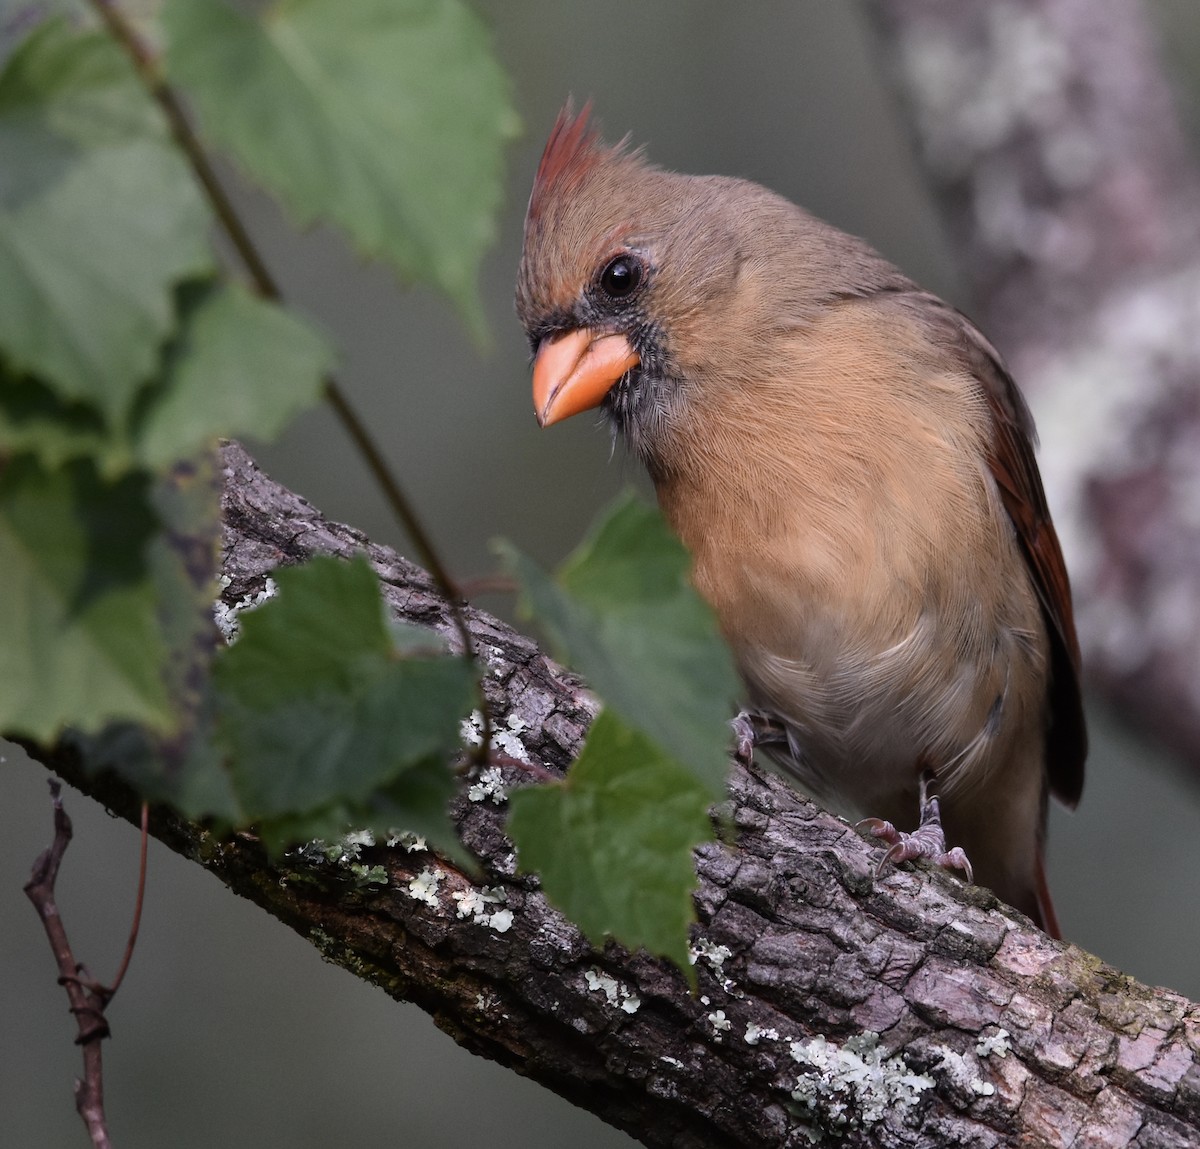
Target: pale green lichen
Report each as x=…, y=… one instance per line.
x=956, y=1070
x=506, y=739
x=614, y=991
x=324, y=942
x=714, y=956
x=365, y=875
x=490, y=786
x=596, y=980
x=479, y=905
x=854, y=1085
x=994, y=1043
x=352, y=843
x=406, y=840
x=486, y=1001
x=344, y=853
x=471, y=728
x=720, y=1023
x=501, y=921
x=226, y=615
x=756, y=1033
x=424, y=887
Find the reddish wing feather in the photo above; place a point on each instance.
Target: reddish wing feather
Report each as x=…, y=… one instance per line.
x=1015, y=470
x=1016, y=473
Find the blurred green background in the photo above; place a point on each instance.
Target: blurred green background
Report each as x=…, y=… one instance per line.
x=230, y=1031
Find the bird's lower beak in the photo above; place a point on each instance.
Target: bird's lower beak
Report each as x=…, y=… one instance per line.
x=574, y=371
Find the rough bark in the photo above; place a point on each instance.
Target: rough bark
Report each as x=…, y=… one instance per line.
x=815, y=947
x=1050, y=139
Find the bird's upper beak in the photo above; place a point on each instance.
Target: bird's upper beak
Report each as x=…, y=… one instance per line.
x=573, y=372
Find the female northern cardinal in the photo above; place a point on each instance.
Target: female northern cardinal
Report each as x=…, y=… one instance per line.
x=851, y=467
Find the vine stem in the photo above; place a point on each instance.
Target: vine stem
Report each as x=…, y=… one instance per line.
x=150, y=72
x=136, y=925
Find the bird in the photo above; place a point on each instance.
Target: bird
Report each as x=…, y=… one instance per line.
x=851, y=467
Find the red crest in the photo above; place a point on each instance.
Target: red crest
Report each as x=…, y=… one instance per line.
x=573, y=149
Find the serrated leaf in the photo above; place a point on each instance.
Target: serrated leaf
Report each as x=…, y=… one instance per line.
x=240, y=366
x=623, y=612
x=80, y=640
x=613, y=842
x=314, y=704
x=99, y=216
x=386, y=117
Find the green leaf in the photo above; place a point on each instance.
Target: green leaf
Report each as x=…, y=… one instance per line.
x=182, y=767
x=417, y=801
x=623, y=612
x=80, y=640
x=240, y=366
x=185, y=769
x=34, y=420
x=183, y=558
x=386, y=117
x=187, y=773
x=316, y=707
x=99, y=216
x=613, y=842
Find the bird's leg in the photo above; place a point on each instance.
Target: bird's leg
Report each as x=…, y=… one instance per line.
x=927, y=841
x=752, y=728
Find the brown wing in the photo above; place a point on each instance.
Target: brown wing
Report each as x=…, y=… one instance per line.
x=1016, y=473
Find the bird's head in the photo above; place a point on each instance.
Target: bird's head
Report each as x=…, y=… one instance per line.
x=652, y=294
x=624, y=268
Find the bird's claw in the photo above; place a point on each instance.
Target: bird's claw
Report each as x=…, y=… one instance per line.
x=743, y=737
x=751, y=729
x=927, y=841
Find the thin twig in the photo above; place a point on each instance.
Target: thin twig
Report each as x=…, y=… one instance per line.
x=137, y=909
x=149, y=70
x=404, y=512
x=533, y=769
x=88, y=1001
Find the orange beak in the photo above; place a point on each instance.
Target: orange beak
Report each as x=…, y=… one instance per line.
x=574, y=371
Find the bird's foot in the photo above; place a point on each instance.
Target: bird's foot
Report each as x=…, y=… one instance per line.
x=743, y=737
x=927, y=841
x=752, y=728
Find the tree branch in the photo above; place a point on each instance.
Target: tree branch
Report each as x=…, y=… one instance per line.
x=796, y=941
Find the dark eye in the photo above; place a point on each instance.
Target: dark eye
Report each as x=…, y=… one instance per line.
x=621, y=276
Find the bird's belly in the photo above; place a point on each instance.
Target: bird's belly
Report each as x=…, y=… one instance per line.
x=889, y=624
x=865, y=716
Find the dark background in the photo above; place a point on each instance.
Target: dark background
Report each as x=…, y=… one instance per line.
x=230, y=1030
